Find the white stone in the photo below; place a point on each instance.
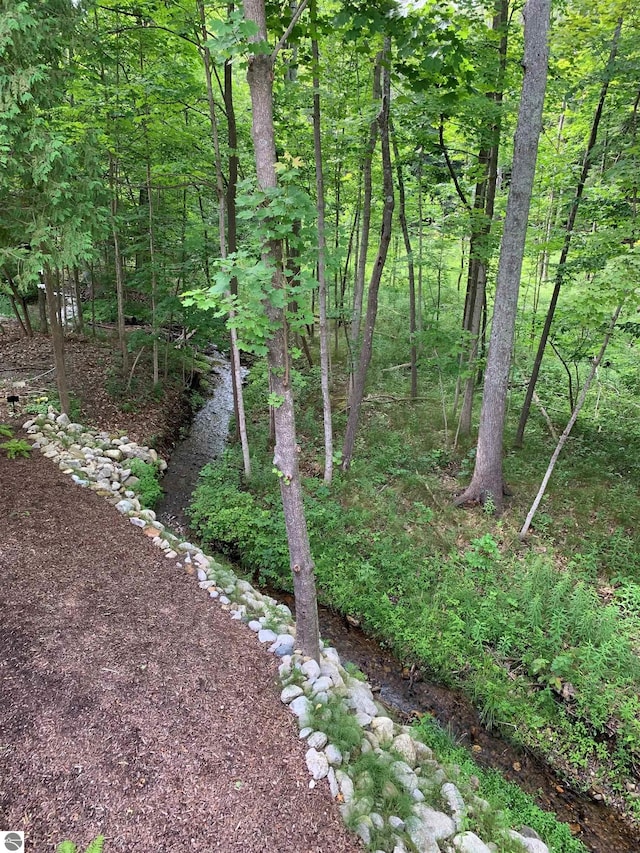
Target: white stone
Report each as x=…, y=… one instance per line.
x=396, y=822
x=468, y=842
x=300, y=706
x=346, y=785
x=311, y=669
x=114, y=454
x=531, y=845
x=453, y=798
x=170, y=555
x=405, y=775
x=360, y=697
x=266, y=635
x=382, y=727
x=438, y=824
x=255, y=625
x=318, y=740
x=139, y=522
x=290, y=692
x=124, y=506
x=322, y=684
x=317, y=763
x=334, y=756
x=333, y=783
x=403, y=745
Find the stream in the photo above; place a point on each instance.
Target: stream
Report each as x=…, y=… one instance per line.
x=598, y=826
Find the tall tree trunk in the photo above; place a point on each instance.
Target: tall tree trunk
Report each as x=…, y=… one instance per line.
x=79, y=312
x=410, y=269
x=57, y=341
x=568, y=233
x=487, y=481
x=322, y=245
x=355, y=398
x=122, y=335
x=42, y=311
x=480, y=241
x=260, y=78
x=365, y=228
x=222, y=235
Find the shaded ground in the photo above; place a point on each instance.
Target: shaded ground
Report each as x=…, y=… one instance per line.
x=130, y=705
x=95, y=384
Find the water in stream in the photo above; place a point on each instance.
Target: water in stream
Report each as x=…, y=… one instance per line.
x=599, y=827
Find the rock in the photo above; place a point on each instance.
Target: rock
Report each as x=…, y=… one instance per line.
x=321, y=684
x=333, y=783
x=290, y=692
x=283, y=645
x=377, y=820
x=140, y=522
x=346, y=785
x=363, y=829
x=224, y=600
x=305, y=732
x=333, y=672
x=202, y=575
x=396, y=822
x=63, y=420
x=453, y=799
x=114, y=454
x=423, y=753
x=438, y=824
x=311, y=669
x=266, y=635
x=360, y=698
x=170, y=555
x=124, y=506
x=382, y=727
x=334, y=756
x=531, y=845
x=468, y=842
x=300, y=706
x=318, y=740
x=255, y=625
x=317, y=763
x=405, y=775
x=403, y=746
x=420, y=835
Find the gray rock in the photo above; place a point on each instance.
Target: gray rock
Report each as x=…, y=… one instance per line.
x=224, y=600
x=300, y=706
x=321, y=684
x=439, y=825
x=318, y=740
x=266, y=635
x=114, y=454
x=420, y=835
x=333, y=783
x=382, y=727
x=360, y=698
x=453, y=799
x=283, y=645
x=396, y=822
x=468, y=842
x=334, y=756
x=311, y=669
x=363, y=829
x=140, y=522
x=346, y=785
x=405, y=775
x=290, y=692
x=255, y=625
x=63, y=420
x=403, y=745
x=124, y=506
x=305, y=732
x=531, y=845
x=317, y=763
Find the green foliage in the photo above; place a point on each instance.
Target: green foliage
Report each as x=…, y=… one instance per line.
x=509, y=805
x=5, y=431
x=337, y=723
x=15, y=447
x=148, y=489
x=96, y=846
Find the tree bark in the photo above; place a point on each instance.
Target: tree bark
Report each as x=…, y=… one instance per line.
x=260, y=78
x=487, y=481
x=322, y=245
x=568, y=233
x=57, y=341
x=355, y=398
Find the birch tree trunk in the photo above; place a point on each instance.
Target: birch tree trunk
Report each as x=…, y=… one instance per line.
x=322, y=245
x=487, y=481
x=260, y=79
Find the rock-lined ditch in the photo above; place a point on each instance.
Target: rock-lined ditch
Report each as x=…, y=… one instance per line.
x=391, y=790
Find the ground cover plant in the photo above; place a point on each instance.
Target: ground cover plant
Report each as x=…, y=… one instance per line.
x=542, y=635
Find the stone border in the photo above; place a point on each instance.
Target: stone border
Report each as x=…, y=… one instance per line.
x=98, y=461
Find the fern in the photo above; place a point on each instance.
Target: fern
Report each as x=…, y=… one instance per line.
x=95, y=846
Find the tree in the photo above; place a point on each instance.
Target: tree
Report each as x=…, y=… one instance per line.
x=487, y=481
x=260, y=78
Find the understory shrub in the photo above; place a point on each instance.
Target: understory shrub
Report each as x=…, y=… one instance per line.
x=148, y=488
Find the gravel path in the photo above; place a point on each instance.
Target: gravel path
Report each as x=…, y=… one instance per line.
x=130, y=705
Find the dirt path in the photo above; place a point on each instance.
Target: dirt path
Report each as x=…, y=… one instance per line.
x=130, y=704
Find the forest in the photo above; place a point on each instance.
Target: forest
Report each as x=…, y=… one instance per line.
x=415, y=225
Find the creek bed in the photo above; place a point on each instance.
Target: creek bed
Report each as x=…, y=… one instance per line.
x=598, y=826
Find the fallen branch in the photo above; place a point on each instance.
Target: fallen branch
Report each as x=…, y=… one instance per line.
x=536, y=400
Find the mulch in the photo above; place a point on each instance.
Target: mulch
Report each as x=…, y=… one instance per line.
x=131, y=705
